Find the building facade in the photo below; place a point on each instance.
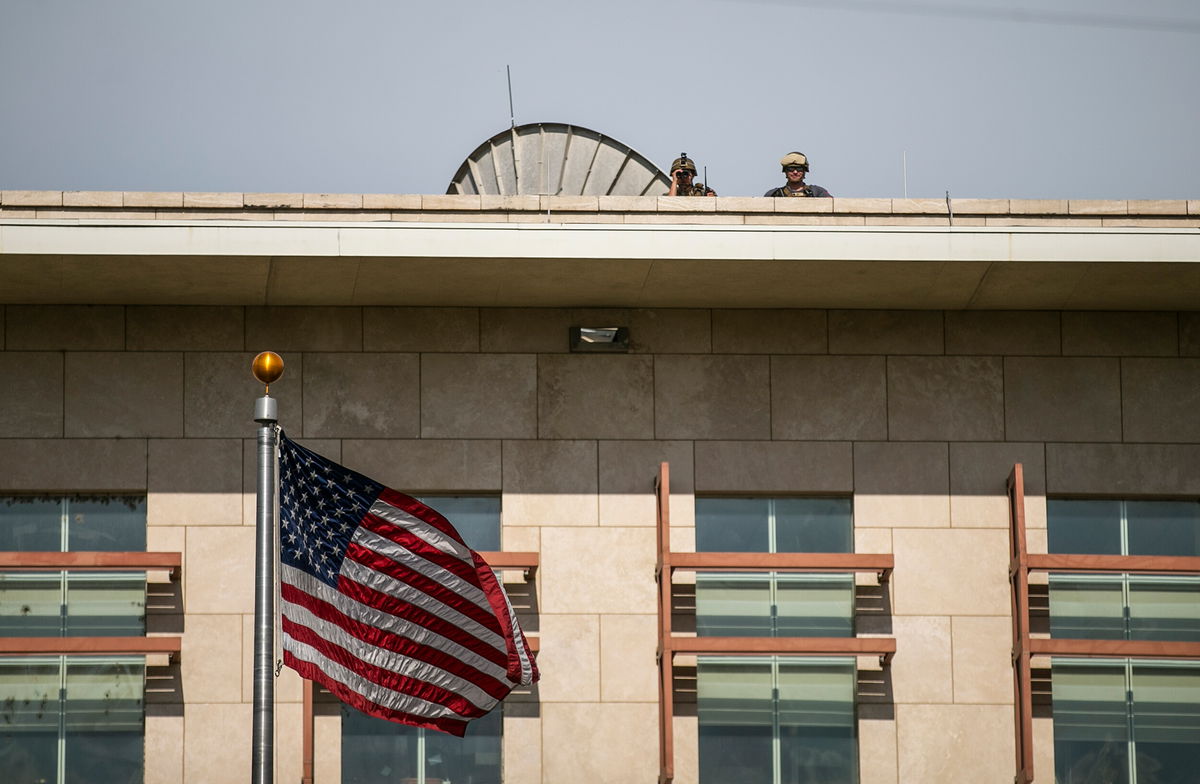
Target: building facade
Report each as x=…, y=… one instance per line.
x=855, y=377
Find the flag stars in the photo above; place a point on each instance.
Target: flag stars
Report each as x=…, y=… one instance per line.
x=321, y=504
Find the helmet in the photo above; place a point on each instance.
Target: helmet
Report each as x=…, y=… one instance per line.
x=684, y=162
x=794, y=159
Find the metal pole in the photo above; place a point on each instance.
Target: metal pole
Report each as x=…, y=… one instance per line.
x=263, y=765
x=306, y=735
x=512, y=117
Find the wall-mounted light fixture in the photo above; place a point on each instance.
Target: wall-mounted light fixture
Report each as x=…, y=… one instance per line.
x=600, y=339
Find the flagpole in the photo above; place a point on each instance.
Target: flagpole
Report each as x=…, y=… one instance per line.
x=267, y=368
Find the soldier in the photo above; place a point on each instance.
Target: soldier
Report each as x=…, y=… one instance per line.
x=683, y=169
x=795, y=166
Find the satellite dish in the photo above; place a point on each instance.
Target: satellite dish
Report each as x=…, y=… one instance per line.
x=557, y=159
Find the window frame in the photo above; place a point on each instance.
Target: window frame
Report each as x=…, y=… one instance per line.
x=774, y=581
x=1130, y=669
x=1025, y=646
x=1129, y=583
x=776, y=665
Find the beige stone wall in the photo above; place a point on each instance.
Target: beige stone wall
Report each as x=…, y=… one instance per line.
x=727, y=210
x=918, y=414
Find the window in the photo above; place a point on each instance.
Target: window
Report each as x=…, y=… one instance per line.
x=1125, y=720
x=775, y=719
x=377, y=750
x=774, y=604
x=1132, y=607
x=53, y=604
x=475, y=517
x=66, y=718
x=72, y=718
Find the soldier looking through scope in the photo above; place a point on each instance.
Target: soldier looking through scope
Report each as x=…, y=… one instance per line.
x=683, y=171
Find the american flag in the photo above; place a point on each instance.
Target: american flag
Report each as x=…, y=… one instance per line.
x=384, y=604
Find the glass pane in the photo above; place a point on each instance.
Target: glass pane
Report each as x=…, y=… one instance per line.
x=1087, y=607
x=813, y=525
x=1091, y=735
x=814, y=606
x=729, y=605
x=1164, y=609
x=476, y=518
x=784, y=605
x=104, y=727
x=473, y=759
x=31, y=604
x=736, y=719
x=374, y=750
x=106, y=605
x=30, y=524
x=1163, y=527
x=816, y=722
x=1166, y=723
x=732, y=525
x=29, y=707
x=1084, y=527
x=106, y=523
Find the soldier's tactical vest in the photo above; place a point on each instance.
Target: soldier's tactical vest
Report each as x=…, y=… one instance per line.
x=695, y=189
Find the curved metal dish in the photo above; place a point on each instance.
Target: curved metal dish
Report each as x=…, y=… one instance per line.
x=557, y=159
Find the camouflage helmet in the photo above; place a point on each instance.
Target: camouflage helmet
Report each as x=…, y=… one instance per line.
x=794, y=159
x=684, y=162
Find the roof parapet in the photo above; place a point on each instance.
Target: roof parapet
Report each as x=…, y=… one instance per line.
x=730, y=210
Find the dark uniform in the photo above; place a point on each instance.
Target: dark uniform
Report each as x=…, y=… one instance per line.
x=807, y=190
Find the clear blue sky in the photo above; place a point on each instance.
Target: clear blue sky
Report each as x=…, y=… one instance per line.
x=988, y=98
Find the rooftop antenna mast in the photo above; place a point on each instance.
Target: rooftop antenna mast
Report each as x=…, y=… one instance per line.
x=512, y=117
x=904, y=167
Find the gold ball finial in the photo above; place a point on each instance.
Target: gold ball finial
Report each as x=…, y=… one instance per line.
x=267, y=368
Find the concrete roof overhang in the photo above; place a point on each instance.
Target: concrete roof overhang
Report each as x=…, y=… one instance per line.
x=593, y=265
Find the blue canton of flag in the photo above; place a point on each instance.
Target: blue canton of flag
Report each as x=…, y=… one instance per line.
x=320, y=506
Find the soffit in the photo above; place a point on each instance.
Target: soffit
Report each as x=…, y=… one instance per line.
x=510, y=265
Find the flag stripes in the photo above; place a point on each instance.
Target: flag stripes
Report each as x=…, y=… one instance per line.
x=379, y=591
x=422, y=684
x=414, y=552
x=353, y=695
x=413, y=571
x=321, y=616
